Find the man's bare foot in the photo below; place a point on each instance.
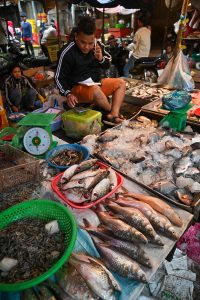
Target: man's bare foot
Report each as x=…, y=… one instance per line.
x=115, y=119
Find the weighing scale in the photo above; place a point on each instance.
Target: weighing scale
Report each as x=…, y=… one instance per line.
x=35, y=133
x=176, y=119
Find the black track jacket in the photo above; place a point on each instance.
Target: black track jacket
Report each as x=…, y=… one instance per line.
x=75, y=66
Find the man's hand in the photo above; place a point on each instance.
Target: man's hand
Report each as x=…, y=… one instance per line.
x=15, y=108
x=71, y=100
x=98, y=53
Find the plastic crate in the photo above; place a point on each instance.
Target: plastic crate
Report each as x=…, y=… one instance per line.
x=21, y=167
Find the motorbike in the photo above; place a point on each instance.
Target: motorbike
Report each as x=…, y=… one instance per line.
x=147, y=68
x=15, y=55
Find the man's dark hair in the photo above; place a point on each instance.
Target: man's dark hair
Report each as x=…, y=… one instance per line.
x=86, y=25
x=144, y=18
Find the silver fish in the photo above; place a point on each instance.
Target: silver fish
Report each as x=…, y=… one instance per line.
x=135, y=218
x=73, y=184
x=74, y=284
x=182, y=165
x=167, y=228
x=67, y=175
x=101, y=189
x=121, y=229
x=87, y=173
x=165, y=187
x=108, y=136
x=87, y=164
x=119, y=263
x=113, y=178
x=145, y=208
x=131, y=250
x=96, y=275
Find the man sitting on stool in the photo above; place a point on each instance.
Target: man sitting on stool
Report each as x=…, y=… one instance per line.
x=82, y=59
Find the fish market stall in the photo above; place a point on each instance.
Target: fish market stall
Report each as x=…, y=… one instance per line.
x=152, y=243
x=193, y=114
x=141, y=93
x=161, y=160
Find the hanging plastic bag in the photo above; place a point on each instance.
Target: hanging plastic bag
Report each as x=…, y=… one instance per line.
x=176, y=100
x=176, y=74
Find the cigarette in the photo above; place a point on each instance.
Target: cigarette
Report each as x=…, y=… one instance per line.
x=95, y=44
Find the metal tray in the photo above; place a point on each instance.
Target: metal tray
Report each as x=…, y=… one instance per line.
x=195, y=208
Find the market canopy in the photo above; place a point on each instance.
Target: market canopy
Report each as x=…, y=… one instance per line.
x=142, y=4
x=118, y=9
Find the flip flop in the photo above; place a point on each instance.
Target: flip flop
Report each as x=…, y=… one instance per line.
x=112, y=121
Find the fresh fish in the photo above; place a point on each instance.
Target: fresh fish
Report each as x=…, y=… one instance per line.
x=191, y=171
x=101, y=189
x=164, y=187
x=119, y=263
x=167, y=228
x=175, y=153
x=74, y=285
x=195, y=145
x=98, y=178
x=113, y=178
x=184, y=196
x=144, y=120
x=96, y=275
x=87, y=164
x=77, y=195
x=182, y=165
x=145, y=208
x=196, y=156
x=86, y=214
x=121, y=229
x=87, y=173
x=159, y=205
x=44, y=293
x=135, y=218
x=131, y=250
x=73, y=184
x=67, y=175
x=108, y=136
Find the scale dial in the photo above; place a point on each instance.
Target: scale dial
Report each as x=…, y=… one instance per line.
x=36, y=141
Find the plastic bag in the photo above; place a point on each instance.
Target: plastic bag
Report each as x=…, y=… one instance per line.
x=177, y=74
x=176, y=100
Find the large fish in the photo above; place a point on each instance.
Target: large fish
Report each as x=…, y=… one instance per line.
x=74, y=284
x=130, y=249
x=121, y=229
x=157, y=220
x=160, y=206
x=118, y=262
x=67, y=175
x=86, y=174
x=145, y=208
x=101, y=189
x=97, y=277
x=135, y=218
x=87, y=164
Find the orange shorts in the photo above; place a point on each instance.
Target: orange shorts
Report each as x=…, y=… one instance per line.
x=85, y=94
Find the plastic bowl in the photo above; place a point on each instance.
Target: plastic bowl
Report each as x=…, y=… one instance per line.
x=56, y=180
x=45, y=210
x=60, y=148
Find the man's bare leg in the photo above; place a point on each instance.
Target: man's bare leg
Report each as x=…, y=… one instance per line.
x=117, y=99
x=101, y=100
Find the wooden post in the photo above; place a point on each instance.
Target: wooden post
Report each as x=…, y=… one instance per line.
x=166, y=25
x=58, y=23
x=103, y=21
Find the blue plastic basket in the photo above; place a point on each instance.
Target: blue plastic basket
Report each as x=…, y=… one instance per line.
x=60, y=148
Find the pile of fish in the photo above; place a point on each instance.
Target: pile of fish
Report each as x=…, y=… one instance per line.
x=127, y=223
x=87, y=182
x=28, y=248
x=160, y=158
x=67, y=158
x=143, y=91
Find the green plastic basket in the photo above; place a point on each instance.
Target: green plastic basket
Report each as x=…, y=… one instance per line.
x=45, y=210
